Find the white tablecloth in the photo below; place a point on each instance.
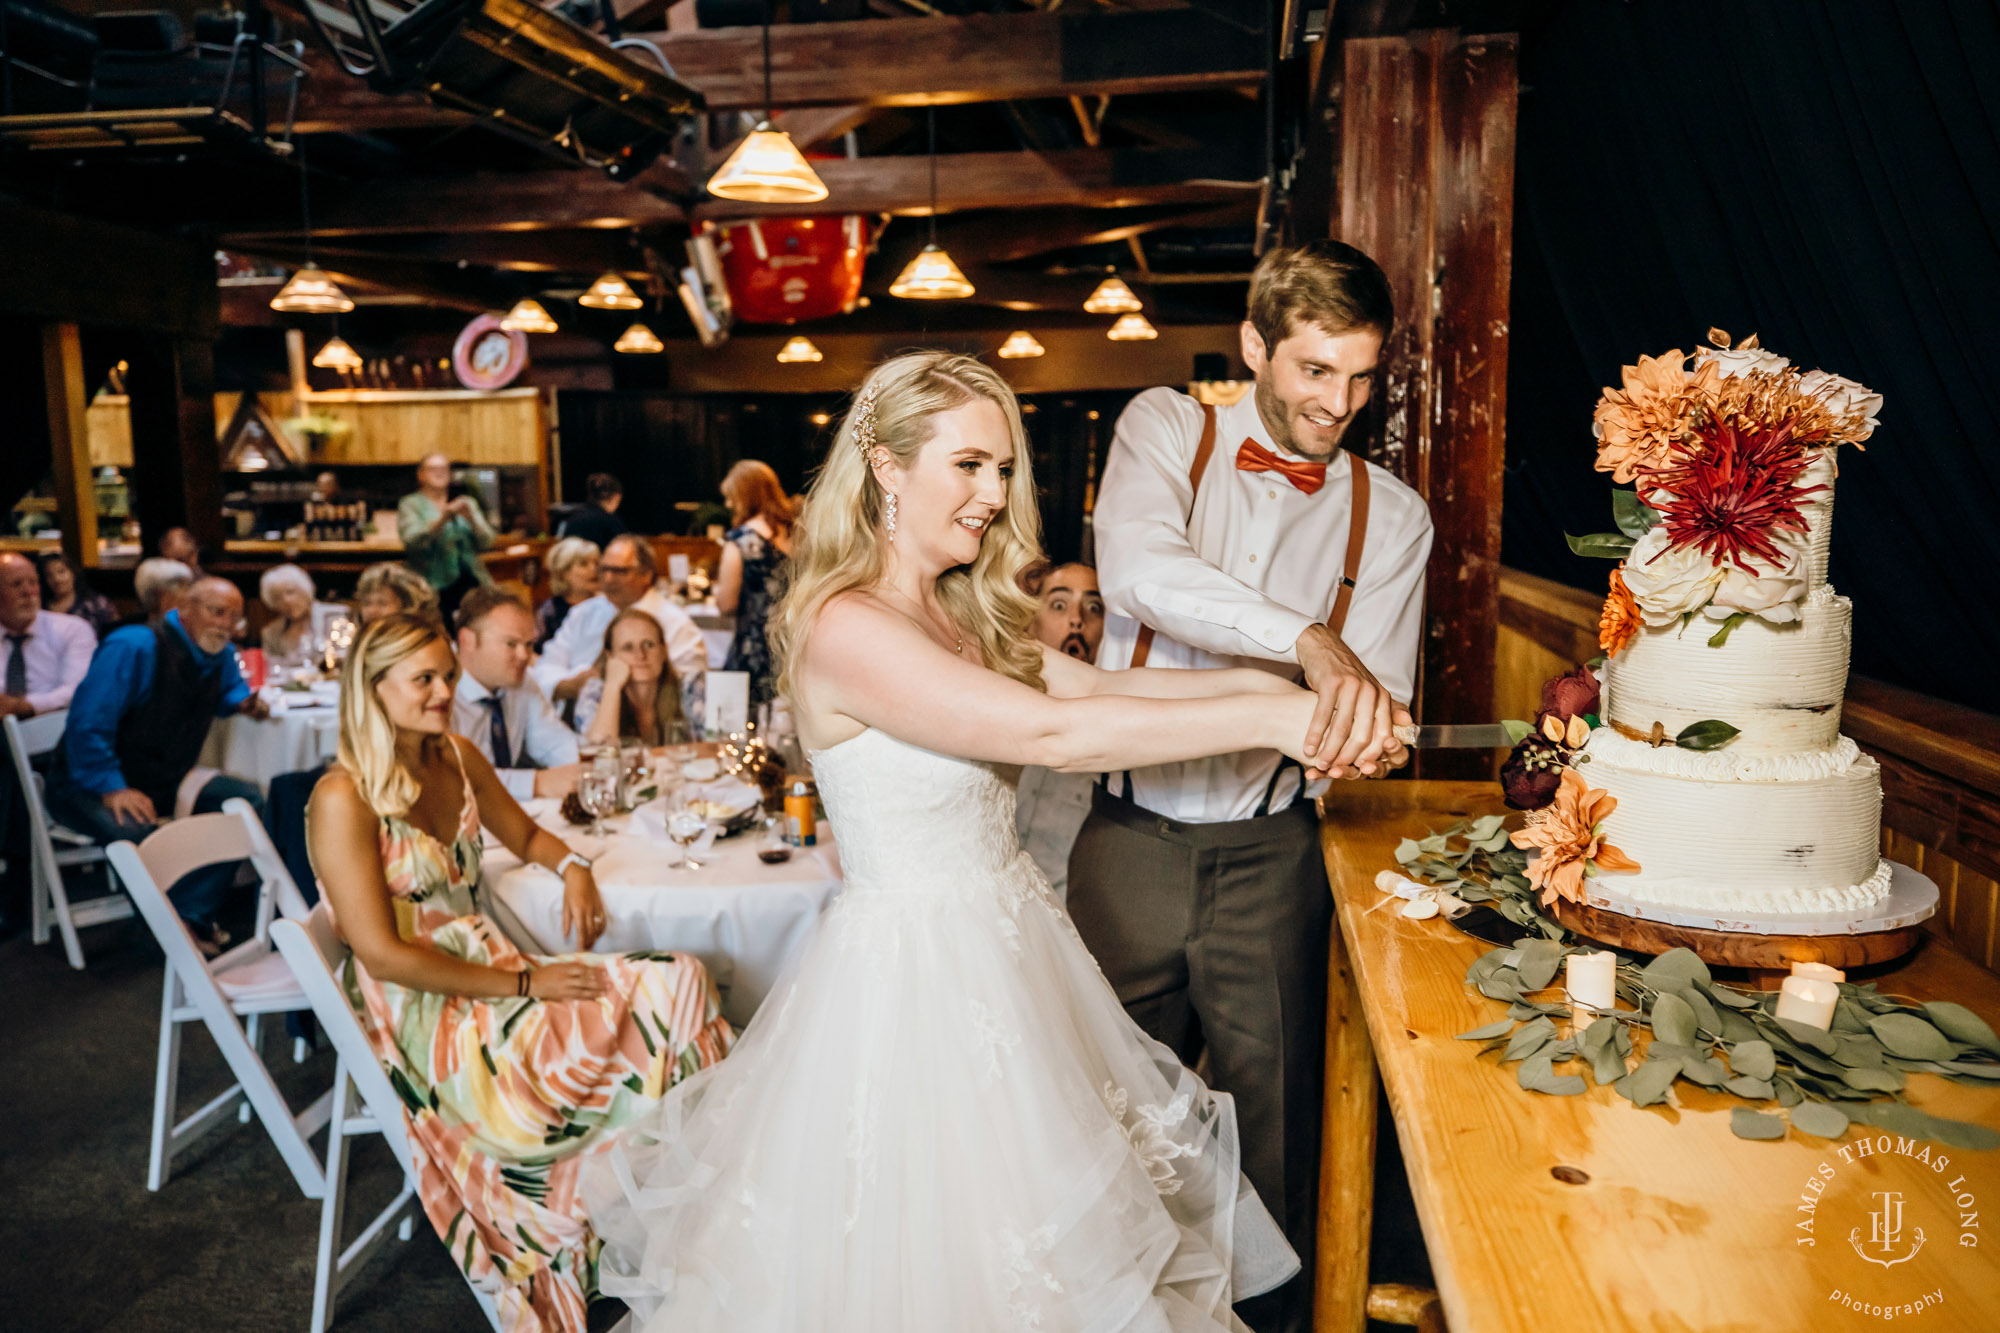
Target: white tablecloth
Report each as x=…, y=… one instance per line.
x=745, y=920
x=294, y=737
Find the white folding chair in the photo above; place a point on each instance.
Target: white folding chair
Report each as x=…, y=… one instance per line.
x=250, y=980
x=316, y=953
x=52, y=848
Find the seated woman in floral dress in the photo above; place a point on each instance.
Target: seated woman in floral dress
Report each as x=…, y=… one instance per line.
x=633, y=693
x=512, y=1068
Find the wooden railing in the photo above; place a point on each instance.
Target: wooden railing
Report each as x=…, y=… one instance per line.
x=1940, y=761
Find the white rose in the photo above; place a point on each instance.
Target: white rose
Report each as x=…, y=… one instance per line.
x=1741, y=361
x=1668, y=581
x=1845, y=399
x=1771, y=592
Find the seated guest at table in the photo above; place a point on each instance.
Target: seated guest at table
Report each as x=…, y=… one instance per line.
x=572, y=579
x=1050, y=807
x=137, y=724
x=653, y=704
x=628, y=574
x=179, y=544
x=159, y=584
x=288, y=636
x=65, y=592
x=43, y=654
x=514, y=1068
x=498, y=708
x=326, y=488
x=387, y=588
x=748, y=584
x=443, y=534
x=597, y=520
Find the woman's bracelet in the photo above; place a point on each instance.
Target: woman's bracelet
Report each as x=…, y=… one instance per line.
x=521, y=980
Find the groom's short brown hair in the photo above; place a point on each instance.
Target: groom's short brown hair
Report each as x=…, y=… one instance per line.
x=1327, y=283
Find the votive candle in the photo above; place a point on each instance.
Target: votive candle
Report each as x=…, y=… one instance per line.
x=1593, y=980
x=1808, y=1000
x=1818, y=972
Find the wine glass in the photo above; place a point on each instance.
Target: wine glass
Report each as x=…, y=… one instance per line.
x=772, y=849
x=685, y=825
x=597, y=793
x=680, y=742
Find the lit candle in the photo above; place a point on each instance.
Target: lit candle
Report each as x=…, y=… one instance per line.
x=1818, y=972
x=1593, y=981
x=1808, y=1000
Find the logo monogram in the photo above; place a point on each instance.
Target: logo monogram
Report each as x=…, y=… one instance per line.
x=1885, y=1231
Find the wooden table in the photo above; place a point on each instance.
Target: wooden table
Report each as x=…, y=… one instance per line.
x=1582, y=1212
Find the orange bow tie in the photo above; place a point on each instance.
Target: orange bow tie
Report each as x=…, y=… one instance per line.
x=1254, y=457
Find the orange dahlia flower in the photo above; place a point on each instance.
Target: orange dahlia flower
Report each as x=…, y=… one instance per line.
x=1569, y=832
x=1662, y=402
x=1620, y=620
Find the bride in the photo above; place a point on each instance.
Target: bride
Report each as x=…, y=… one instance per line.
x=943, y=1119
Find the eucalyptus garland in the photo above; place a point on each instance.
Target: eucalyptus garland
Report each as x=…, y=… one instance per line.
x=1717, y=1036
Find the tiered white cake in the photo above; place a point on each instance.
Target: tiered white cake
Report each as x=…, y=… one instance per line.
x=1783, y=820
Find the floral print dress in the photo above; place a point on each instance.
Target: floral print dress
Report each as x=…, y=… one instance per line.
x=763, y=565
x=504, y=1098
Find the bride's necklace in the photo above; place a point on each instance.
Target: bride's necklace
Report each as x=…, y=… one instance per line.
x=959, y=646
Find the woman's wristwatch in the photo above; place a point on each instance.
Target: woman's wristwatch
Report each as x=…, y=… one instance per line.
x=573, y=858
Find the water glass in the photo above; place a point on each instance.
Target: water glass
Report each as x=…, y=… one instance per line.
x=685, y=825
x=597, y=793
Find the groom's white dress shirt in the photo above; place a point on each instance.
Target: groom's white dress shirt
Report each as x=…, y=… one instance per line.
x=1237, y=581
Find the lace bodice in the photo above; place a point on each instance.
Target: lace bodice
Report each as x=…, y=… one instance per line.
x=911, y=820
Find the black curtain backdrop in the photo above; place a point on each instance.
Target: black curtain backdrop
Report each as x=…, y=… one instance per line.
x=1826, y=175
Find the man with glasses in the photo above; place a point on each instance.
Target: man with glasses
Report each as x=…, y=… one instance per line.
x=628, y=574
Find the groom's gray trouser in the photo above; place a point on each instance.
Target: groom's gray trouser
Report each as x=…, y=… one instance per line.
x=1216, y=934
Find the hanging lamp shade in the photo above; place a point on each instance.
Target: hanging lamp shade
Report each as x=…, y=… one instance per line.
x=311, y=292
x=931, y=276
x=1020, y=343
x=638, y=339
x=1112, y=297
x=799, y=349
x=527, y=316
x=611, y=292
x=1132, y=328
x=767, y=168
x=337, y=355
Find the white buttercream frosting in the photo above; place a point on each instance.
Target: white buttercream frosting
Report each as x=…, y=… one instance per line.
x=1724, y=765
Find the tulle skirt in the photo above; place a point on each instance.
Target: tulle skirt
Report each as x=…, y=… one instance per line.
x=942, y=1120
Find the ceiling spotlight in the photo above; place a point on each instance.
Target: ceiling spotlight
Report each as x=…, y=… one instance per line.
x=1112, y=297
x=1132, y=328
x=527, y=316
x=638, y=338
x=1020, y=343
x=611, y=292
x=799, y=349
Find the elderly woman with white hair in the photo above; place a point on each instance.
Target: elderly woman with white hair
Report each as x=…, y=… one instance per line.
x=572, y=578
x=290, y=635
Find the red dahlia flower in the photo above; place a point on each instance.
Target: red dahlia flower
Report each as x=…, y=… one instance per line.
x=1732, y=489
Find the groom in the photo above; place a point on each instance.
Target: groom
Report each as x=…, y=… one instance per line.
x=1245, y=536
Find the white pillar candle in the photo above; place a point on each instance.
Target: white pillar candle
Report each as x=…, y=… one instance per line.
x=1808, y=1000
x=1593, y=980
x=1818, y=972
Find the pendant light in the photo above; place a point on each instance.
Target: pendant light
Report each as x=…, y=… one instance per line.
x=337, y=355
x=799, y=349
x=1020, y=343
x=767, y=167
x=611, y=292
x=528, y=316
x=310, y=291
x=1113, y=297
x=638, y=340
x=931, y=276
x=1132, y=328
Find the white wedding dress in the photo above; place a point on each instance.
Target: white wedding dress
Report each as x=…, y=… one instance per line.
x=942, y=1120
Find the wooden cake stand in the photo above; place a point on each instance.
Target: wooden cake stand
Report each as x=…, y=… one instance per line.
x=1766, y=947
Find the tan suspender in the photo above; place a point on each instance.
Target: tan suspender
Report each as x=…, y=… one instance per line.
x=1357, y=531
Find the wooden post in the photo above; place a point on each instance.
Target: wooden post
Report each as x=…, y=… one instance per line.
x=176, y=461
x=1427, y=187
x=69, y=435
x=1347, y=1153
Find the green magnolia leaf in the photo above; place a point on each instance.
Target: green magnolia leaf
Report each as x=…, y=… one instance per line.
x=1710, y=734
x=1538, y=1075
x=1635, y=518
x=1721, y=636
x=1749, y=1124
x=1849, y=1016
x=1649, y=1082
x=1530, y=1039
x=1485, y=827
x=1819, y=1120
x=1607, y=1063
x=1857, y=1051
x=1434, y=843
x=1675, y=969
x=1756, y=1089
x=1673, y=1020
x=1753, y=1059
x=1961, y=1024
x=1707, y=1072
x=1872, y=1080
x=1910, y=1037
x=1407, y=851
x=1789, y=1094
x=1967, y=1071
x=1705, y=1016
x=1491, y=1030
x=1902, y=1118
x=1503, y=984
x=1539, y=961
x=1805, y=1034
x=1517, y=730
x=1727, y=995
x=1736, y=1029
x=1597, y=1036
x=1607, y=545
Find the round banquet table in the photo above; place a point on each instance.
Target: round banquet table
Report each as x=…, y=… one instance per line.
x=302, y=732
x=745, y=920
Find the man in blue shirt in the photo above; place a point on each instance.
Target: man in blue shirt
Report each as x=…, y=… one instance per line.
x=136, y=728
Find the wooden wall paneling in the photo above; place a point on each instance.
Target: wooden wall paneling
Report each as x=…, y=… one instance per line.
x=69, y=442
x=501, y=429
x=177, y=466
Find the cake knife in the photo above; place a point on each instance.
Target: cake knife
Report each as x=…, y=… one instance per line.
x=1475, y=736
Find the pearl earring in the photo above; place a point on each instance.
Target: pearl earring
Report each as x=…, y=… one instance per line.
x=890, y=520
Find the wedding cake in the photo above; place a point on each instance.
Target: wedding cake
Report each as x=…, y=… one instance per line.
x=1717, y=739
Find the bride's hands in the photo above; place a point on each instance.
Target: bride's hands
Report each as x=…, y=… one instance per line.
x=1293, y=714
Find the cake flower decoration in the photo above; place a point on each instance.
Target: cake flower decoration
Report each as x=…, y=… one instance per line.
x=1569, y=834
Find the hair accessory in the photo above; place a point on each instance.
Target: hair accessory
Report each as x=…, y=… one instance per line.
x=864, y=423
x=889, y=521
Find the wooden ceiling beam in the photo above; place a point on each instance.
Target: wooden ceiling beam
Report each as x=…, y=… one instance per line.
x=886, y=62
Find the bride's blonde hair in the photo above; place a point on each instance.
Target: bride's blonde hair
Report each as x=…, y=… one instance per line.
x=838, y=543
x=367, y=736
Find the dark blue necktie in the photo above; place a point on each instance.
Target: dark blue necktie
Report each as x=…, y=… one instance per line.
x=503, y=752
x=17, y=665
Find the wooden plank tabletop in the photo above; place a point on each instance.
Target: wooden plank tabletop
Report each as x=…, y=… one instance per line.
x=1672, y=1222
